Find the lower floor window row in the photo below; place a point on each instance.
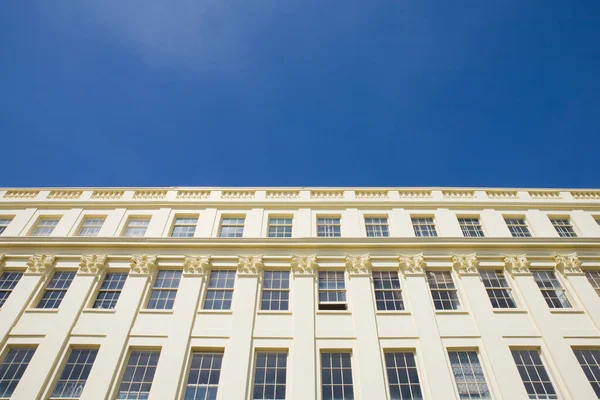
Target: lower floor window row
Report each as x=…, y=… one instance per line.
x=270, y=373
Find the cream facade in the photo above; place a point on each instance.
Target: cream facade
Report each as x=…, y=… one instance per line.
x=305, y=293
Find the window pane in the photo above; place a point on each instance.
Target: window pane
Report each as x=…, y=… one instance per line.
x=232, y=228
x=139, y=374
x=45, y=227
x=590, y=363
x=533, y=374
x=517, y=227
x=497, y=288
x=563, y=227
x=4, y=222
x=270, y=376
x=468, y=375
x=56, y=289
x=110, y=290
x=75, y=374
x=377, y=227
x=329, y=227
x=471, y=227
x=220, y=290
x=12, y=369
x=184, y=227
x=164, y=291
x=403, y=377
x=136, y=227
x=424, y=227
x=594, y=278
x=8, y=281
x=91, y=227
x=443, y=291
x=280, y=227
x=336, y=376
x=551, y=289
x=332, y=289
x=388, y=295
x=276, y=288
x=203, y=380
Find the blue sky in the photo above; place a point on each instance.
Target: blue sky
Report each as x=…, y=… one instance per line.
x=300, y=93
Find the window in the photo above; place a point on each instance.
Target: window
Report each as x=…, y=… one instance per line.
x=468, y=375
x=280, y=227
x=377, y=227
x=276, y=290
x=12, y=369
x=4, y=223
x=56, y=289
x=45, y=226
x=551, y=289
x=517, y=227
x=329, y=227
x=471, y=227
x=232, y=228
x=184, y=227
x=497, y=289
x=203, y=380
x=220, y=290
x=91, y=227
x=388, y=295
x=110, y=290
x=336, y=376
x=533, y=374
x=424, y=227
x=403, y=377
x=8, y=281
x=270, y=376
x=332, y=290
x=164, y=290
x=563, y=227
x=594, y=278
x=75, y=374
x=136, y=227
x=443, y=291
x=139, y=374
x=590, y=362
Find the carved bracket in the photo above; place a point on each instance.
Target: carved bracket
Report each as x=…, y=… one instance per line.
x=412, y=265
x=196, y=265
x=249, y=265
x=143, y=265
x=304, y=265
x=516, y=264
x=465, y=264
x=40, y=264
x=358, y=265
x=568, y=264
x=91, y=264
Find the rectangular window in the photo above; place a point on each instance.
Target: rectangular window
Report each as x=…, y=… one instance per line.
x=139, y=374
x=377, y=227
x=220, y=290
x=471, y=227
x=443, y=291
x=424, y=227
x=136, y=227
x=329, y=227
x=91, y=227
x=184, y=227
x=388, y=295
x=332, y=290
x=56, y=289
x=270, y=376
x=497, y=289
x=276, y=290
x=110, y=290
x=75, y=374
x=594, y=278
x=8, y=281
x=45, y=227
x=164, y=290
x=563, y=227
x=336, y=376
x=280, y=227
x=403, y=377
x=517, y=227
x=468, y=375
x=203, y=380
x=551, y=289
x=533, y=374
x=232, y=228
x=589, y=360
x=4, y=224
x=12, y=369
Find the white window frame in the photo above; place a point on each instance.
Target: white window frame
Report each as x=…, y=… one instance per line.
x=89, y=218
x=573, y=232
x=433, y=223
x=174, y=225
x=479, y=224
x=139, y=218
x=277, y=217
x=525, y=223
x=39, y=221
x=236, y=225
x=379, y=225
x=5, y=225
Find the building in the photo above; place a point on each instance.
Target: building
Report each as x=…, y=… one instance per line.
x=299, y=293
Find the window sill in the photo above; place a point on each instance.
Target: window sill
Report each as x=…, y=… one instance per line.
x=566, y=311
x=509, y=311
x=222, y=312
x=451, y=312
x=393, y=312
x=99, y=310
x=274, y=312
x=42, y=310
x=334, y=312
x=152, y=311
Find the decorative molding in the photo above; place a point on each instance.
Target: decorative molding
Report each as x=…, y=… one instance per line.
x=283, y=194
x=150, y=194
x=143, y=265
x=458, y=194
x=196, y=265
x=502, y=194
x=516, y=263
x=107, y=194
x=304, y=265
x=465, y=264
x=414, y=194
x=193, y=194
x=237, y=194
x=91, y=264
x=412, y=265
x=249, y=265
x=327, y=194
x=586, y=195
x=21, y=194
x=371, y=194
x=65, y=194
x=545, y=195
x=358, y=265
x=2, y=258
x=40, y=264
x=568, y=264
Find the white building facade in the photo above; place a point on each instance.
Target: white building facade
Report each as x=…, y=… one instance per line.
x=299, y=293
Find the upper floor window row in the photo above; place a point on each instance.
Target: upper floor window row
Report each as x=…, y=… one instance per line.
x=233, y=226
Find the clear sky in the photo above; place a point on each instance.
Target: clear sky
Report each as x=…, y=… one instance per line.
x=300, y=93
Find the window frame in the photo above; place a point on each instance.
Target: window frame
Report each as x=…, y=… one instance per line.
x=508, y=287
x=400, y=300
x=188, y=370
x=383, y=228
x=288, y=290
x=459, y=302
x=87, y=218
x=131, y=218
x=217, y=289
x=424, y=217
x=332, y=306
x=328, y=226
x=465, y=227
x=40, y=296
x=330, y=351
x=9, y=289
x=543, y=362
x=175, y=225
x=271, y=217
x=594, y=281
x=596, y=357
x=60, y=369
x=16, y=346
x=562, y=288
x=479, y=357
x=568, y=227
x=9, y=219
x=153, y=289
x=125, y=363
x=42, y=218
x=232, y=225
x=99, y=289
x=520, y=226
x=278, y=352
x=394, y=351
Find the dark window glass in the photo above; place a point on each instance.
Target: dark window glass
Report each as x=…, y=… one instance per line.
x=203, y=380
x=75, y=374
x=270, y=376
